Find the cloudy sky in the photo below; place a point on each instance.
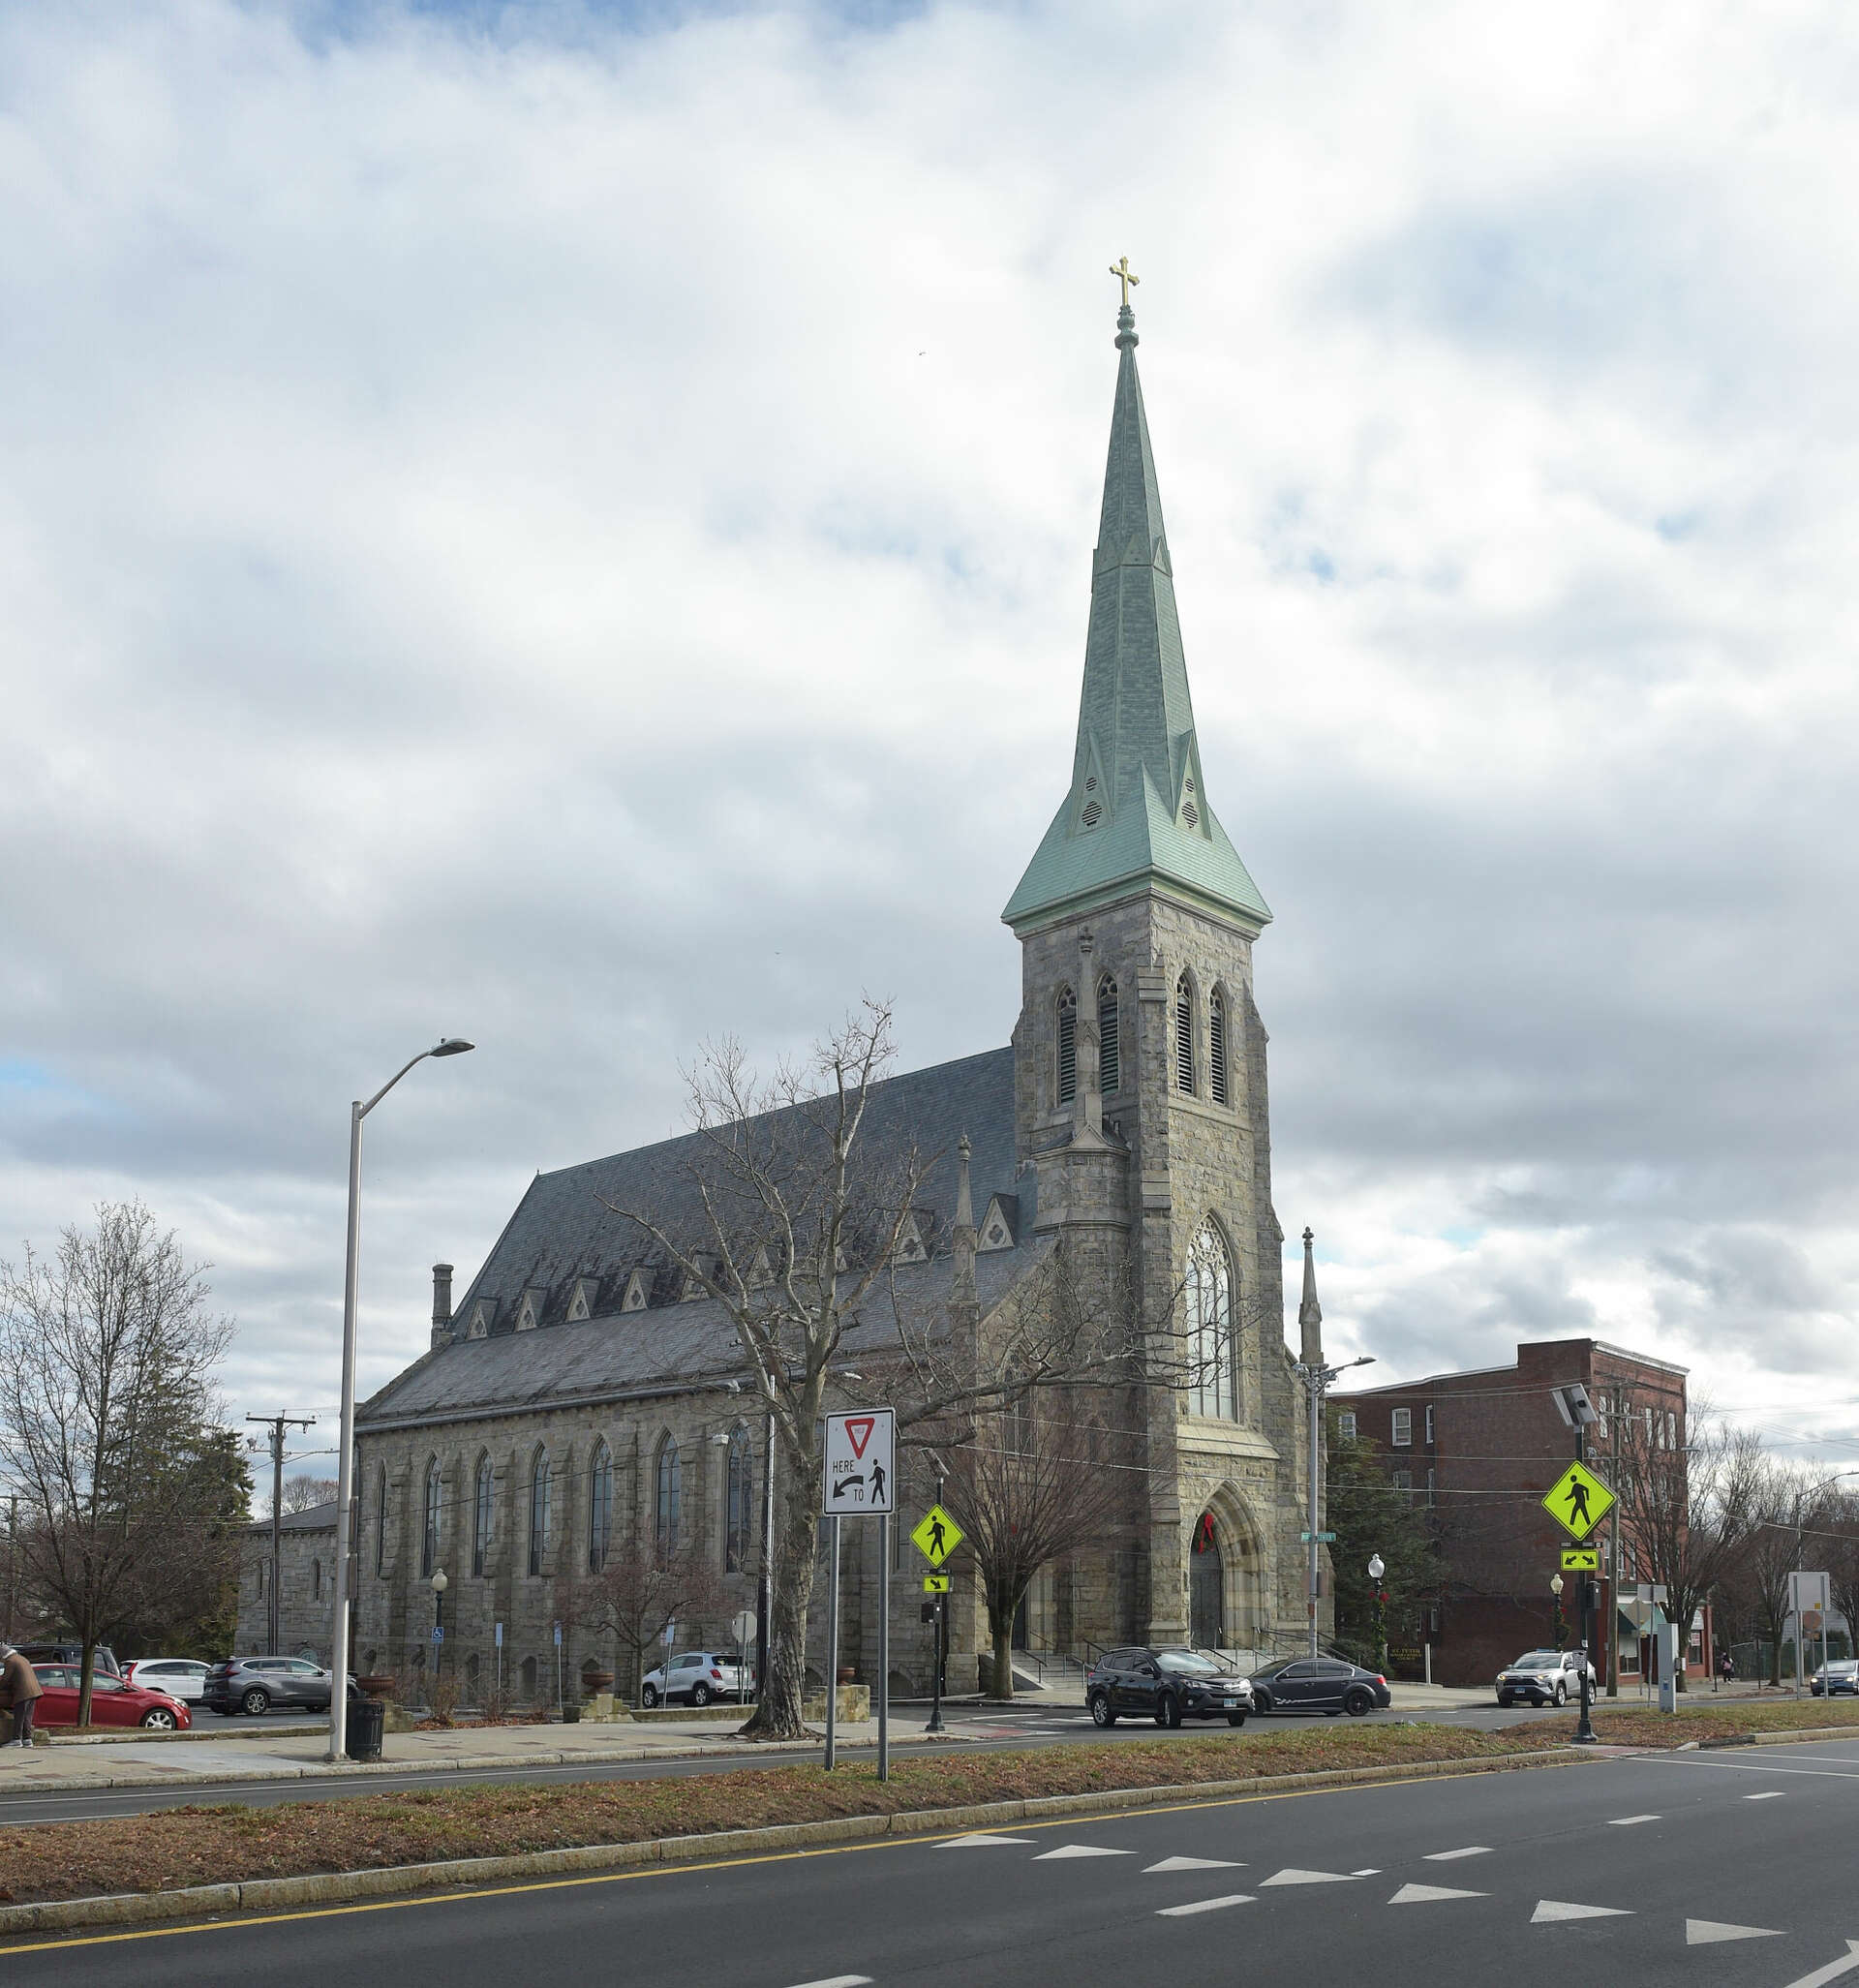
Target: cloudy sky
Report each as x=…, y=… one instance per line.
x=570, y=525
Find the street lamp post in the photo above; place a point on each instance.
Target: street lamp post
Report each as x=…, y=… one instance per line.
x=439, y=1587
x=1555, y=1588
x=450, y=1046
x=1317, y=1380
x=1377, y=1567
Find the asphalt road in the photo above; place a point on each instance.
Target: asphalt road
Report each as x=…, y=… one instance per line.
x=995, y=1729
x=1703, y=1869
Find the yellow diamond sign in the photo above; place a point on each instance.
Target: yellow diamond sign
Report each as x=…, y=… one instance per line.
x=1578, y=1500
x=936, y=1535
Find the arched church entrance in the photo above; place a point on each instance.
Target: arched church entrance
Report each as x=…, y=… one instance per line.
x=1207, y=1586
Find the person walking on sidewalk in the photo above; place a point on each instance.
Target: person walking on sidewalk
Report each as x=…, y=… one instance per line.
x=1726, y=1667
x=20, y=1691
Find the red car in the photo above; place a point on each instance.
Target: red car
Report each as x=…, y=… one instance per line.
x=113, y=1702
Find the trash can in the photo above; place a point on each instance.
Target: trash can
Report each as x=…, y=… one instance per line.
x=367, y=1719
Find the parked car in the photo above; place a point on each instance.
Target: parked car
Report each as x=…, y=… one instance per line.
x=1319, y=1684
x=697, y=1676
x=102, y=1664
x=255, y=1684
x=113, y=1701
x=181, y=1677
x=1831, y=1679
x=1545, y=1677
x=1167, y=1685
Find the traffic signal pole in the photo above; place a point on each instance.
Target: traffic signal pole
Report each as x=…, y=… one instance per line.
x=1585, y=1724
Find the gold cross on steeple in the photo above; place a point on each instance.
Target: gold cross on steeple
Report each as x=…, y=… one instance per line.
x=1120, y=269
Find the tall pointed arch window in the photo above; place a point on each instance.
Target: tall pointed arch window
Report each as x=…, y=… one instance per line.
x=540, y=1494
x=599, y=1507
x=481, y=1494
x=381, y=1521
x=669, y=1474
x=1218, y=1087
x=428, y=1528
x=739, y=1502
x=1067, y=1046
x=1184, y=1035
x=1213, y=1377
x=1110, y=1046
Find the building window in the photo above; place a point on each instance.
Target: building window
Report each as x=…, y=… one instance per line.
x=1346, y=1425
x=1429, y=1422
x=429, y=1533
x=527, y=1675
x=599, y=1507
x=1431, y=1488
x=1402, y=1434
x=1213, y=1386
x=1184, y=1036
x=1403, y=1481
x=669, y=1475
x=1067, y=1046
x=1217, y=1048
x=739, y=1502
x=1109, y=1048
x=539, y=1511
x=380, y=1522
x=316, y=1581
x=481, y=1515
x=262, y=1565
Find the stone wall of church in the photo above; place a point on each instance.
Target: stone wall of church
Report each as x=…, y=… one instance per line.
x=306, y=1557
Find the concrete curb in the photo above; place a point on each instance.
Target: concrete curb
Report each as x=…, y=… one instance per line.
x=273, y=1894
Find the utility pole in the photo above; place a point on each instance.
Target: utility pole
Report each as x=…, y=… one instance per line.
x=1317, y=1379
x=277, y=1424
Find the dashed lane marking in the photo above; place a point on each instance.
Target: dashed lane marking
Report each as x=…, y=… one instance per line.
x=1772, y=1794
x=1549, y=1910
x=840, y=1981
x=1708, y=1932
x=1206, y=1904
x=1430, y=1894
x=1627, y=1821
x=1446, y=1856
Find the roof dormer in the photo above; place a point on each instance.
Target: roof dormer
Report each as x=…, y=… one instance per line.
x=998, y=1224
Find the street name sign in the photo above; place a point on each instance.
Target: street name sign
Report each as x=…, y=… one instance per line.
x=860, y=1456
x=935, y=1583
x=1321, y=1539
x=936, y=1535
x=1581, y=1560
x=1578, y=1500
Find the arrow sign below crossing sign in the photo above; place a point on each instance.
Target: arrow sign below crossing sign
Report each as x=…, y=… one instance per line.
x=860, y=1460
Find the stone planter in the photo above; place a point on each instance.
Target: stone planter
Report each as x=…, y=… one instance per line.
x=854, y=1702
x=377, y=1687
x=595, y=1682
x=848, y=1673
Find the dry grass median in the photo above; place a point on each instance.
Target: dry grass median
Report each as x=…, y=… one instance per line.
x=1726, y=1722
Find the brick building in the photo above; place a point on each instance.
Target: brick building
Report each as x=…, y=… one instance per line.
x=1480, y=1448
x=582, y=1389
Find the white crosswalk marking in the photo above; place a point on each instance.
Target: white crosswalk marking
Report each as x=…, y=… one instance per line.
x=1708, y=1932
x=1078, y=1849
x=1312, y=1878
x=1194, y=1864
x=1446, y=1857
x=982, y=1839
x=1627, y=1821
x=1205, y=1904
x=1430, y=1894
x=1551, y=1910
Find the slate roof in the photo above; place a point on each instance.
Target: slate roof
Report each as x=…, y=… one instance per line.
x=312, y=1519
x=1138, y=809
x=562, y=1232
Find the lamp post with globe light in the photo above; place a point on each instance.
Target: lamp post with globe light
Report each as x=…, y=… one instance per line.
x=1377, y=1567
x=1561, y=1631
x=439, y=1587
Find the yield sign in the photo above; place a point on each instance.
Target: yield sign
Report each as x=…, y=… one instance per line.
x=861, y=1464
x=858, y=1432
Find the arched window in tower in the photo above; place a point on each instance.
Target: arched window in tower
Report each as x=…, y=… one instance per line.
x=670, y=1497
x=1213, y=1381
x=539, y=1474
x=1109, y=1048
x=739, y=1502
x=429, y=1531
x=1067, y=1046
x=1184, y=1035
x=599, y=1507
x=380, y=1522
x=481, y=1516
x=1217, y=1088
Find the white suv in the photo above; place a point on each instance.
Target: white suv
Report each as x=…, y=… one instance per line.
x=181, y=1677
x=1545, y=1677
x=699, y=1675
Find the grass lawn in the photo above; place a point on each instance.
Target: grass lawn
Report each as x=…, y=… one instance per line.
x=230, y=1843
x=1709, y=1722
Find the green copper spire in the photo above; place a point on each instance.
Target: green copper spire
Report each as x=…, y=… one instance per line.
x=1137, y=814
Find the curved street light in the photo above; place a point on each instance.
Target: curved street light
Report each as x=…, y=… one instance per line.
x=447, y=1046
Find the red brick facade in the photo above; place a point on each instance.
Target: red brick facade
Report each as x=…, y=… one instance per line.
x=1480, y=1448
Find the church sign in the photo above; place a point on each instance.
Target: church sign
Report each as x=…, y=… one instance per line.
x=858, y=1464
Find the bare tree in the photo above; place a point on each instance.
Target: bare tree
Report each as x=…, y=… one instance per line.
x=304, y=1493
x=1840, y=1525
x=107, y=1352
x=636, y=1595
x=1025, y=1492
x=1758, y=1571
x=795, y=1221
x=1687, y=1494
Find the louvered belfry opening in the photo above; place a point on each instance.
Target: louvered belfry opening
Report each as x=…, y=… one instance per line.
x=1184, y=1036
x=1067, y=1046
x=1217, y=1048
x=1110, y=1072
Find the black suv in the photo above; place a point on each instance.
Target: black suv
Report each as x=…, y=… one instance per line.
x=1319, y=1684
x=1166, y=1685
x=104, y=1662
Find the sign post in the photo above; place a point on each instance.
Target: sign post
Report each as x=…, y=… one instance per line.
x=1808, y=1604
x=1578, y=1500
x=860, y=1480
x=743, y=1627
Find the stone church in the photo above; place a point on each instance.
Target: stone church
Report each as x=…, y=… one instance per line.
x=580, y=1390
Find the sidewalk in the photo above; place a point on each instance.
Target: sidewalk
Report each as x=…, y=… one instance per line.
x=291, y=1757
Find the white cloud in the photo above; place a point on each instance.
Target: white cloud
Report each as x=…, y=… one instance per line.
x=573, y=528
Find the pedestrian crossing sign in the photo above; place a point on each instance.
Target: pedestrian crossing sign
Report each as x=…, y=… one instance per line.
x=1578, y=1500
x=936, y=1535
x=1581, y=1560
